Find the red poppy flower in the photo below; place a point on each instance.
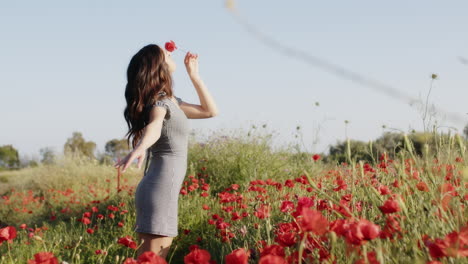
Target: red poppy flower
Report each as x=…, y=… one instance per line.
x=235, y=216
x=150, y=257
x=197, y=256
x=7, y=234
x=289, y=183
x=275, y=250
x=371, y=259
x=313, y=220
x=112, y=208
x=286, y=234
x=422, y=186
x=454, y=244
x=130, y=261
x=339, y=226
x=390, y=206
x=84, y=220
x=305, y=202
x=384, y=190
x=271, y=259
x=286, y=206
x=392, y=226
x=238, y=256
x=316, y=157
x=263, y=211
x=170, y=46
x=43, y=258
x=220, y=224
x=357, y=233
x=127, y=241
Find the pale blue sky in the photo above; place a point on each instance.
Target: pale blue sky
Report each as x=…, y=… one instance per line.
x=63, y=65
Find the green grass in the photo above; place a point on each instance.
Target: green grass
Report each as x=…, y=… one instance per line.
x=77, y=184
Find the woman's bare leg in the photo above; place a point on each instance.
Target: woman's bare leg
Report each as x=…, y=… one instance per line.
x=156, y=243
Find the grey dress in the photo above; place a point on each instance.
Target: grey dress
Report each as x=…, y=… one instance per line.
x=156, y=196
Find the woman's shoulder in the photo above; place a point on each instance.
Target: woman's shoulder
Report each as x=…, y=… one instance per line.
x=159, y=99
x=161, y=102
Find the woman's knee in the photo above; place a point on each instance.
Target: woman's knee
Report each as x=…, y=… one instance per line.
x=153, y=237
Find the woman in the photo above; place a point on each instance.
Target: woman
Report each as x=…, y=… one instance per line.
x=158, y=123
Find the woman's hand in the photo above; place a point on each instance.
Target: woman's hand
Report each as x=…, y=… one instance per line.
x=137, y=153
x=191, y=64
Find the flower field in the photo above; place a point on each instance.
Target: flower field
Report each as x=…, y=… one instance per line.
x=405, y=209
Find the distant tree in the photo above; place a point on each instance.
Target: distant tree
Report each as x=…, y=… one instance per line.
x=114, y=149
x=104, y=158
x=9, y=158
x=465, y=131
x=28, y=161
x=393, y=142
x=33, y=163
x=359, y=151
x=117, y=148
x=389, y=142
x=78, y=145
x=47, y=155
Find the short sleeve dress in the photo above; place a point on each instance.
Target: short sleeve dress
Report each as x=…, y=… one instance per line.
x=156, y=196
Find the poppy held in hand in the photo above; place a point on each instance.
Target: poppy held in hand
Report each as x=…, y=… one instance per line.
x=171, y=46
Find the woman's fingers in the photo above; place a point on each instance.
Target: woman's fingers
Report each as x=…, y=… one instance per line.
x=187, y=57
x=190, y=55
x=125, y=166
x=120, y=162
x=129, y=161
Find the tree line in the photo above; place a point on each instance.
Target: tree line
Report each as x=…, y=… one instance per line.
x=390, y=143
x=75, y=145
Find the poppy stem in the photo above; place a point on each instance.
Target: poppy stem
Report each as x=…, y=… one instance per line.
x=9, y=252
x=178, y=48
x=170, y=258
x=301, y=246
x=118, y=177
x=268, y=230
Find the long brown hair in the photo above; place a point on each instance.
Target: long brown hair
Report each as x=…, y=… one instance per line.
x=148, y=76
